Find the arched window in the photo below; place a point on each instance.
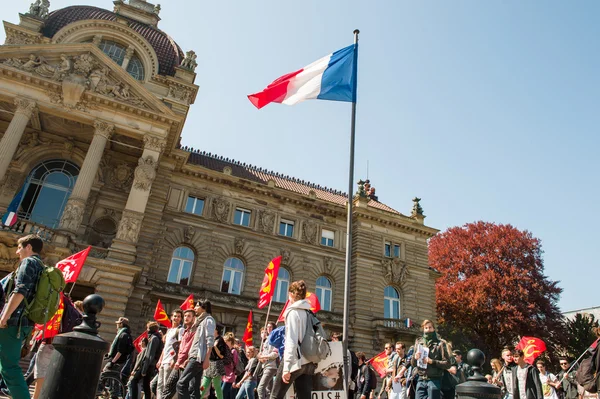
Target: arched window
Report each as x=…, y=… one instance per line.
x=324, y=292
x=391, y=303
x=117, y=52
x=47, y=190
x=233, y=276
x=181, y=266
x=282, y=285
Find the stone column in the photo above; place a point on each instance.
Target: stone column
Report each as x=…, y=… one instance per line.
x=73, y=213
x=124, y=245
x=14, y=132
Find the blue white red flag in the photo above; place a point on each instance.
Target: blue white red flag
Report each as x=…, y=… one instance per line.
x=333, y=78
x=11, y=215
x=409, y=323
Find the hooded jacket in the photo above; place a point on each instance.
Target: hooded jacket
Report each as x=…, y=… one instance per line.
x=295, y=328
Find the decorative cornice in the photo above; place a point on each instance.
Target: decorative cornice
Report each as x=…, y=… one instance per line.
x=103, y=129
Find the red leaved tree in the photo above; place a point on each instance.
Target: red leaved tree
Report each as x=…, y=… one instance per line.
x=493, y=288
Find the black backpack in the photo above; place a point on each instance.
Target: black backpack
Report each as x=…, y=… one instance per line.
x=354, y=364
x=372, y=378
x=71, y=317
x=587, y=375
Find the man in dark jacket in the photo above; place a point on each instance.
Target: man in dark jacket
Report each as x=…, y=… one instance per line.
x=148, y=369
x=568, y=383
x=430, y=368
x=527, y=384
x=363, y=378
x=121, y=347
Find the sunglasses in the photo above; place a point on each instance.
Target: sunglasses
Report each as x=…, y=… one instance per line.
x=564, y=364
x=387, y=347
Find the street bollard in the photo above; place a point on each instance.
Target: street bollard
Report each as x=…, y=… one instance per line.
x=476, y=385
x=76, y=363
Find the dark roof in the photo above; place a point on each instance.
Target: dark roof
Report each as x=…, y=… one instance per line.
x=168, y=52
x=260, y=175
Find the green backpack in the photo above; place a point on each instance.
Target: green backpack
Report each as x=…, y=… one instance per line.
x=46, y=299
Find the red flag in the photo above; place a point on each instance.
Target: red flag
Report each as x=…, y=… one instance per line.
x=53, y=325
x=379, y=363
x=531, y=347
x=71, y=266
x=138, y=341
x=247, y=338
x=188, y=303
x=267, y=289
x=315, y=306
x=161, y=316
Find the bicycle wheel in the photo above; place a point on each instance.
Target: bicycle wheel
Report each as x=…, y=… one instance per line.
x=110, y=387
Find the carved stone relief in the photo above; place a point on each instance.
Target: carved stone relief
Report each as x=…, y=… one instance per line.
x=73, y=214
x=285, y=256
x=17, y=37
x=266, y=221
x=239, y=245
x=394, y=271
x=220, y=210
x=180, y=93
x=154, y=143
x=31, y=141
x=189, y=62
x=39, y=9
x=121, y=176
x=328, y=265
x=189, y=233
x=77, y=74
x=10, y=183
x=145, y=173
x=309, y=232
x=129, y=227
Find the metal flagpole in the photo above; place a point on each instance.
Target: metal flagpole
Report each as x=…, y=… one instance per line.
x=349, y=221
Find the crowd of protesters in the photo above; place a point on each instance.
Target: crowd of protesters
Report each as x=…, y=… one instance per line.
x=194, y=359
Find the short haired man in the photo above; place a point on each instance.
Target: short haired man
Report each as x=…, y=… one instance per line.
x=268, y=356
x=148, y=368
x=14, y=327
x=199, y=355
x=363, y=378
x=386, y=386
x=399, y=376
x=508, y=377
x=549, y=381
x=463, y=370
x=179, y=363
x=528, y=384
x=166, y=361
x=568, y=383
x=437, y=360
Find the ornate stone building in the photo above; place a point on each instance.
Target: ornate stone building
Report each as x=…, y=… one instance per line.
x=92, y=105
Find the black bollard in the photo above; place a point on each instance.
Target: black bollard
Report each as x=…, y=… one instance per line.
x=76, y=363
x=476, y=385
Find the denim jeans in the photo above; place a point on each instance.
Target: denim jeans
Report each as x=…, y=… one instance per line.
x=191, y=376
x=246, y=390
x=428, y=389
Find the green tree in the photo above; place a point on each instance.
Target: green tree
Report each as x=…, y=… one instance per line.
x=580, y=333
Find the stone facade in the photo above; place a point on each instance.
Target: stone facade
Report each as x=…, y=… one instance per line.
x=72, y=108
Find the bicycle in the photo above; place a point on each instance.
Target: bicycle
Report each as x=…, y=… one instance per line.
x=110, y=386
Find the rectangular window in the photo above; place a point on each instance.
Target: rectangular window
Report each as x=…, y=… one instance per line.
x=242, y=217
x=286, y=228
x=327, y=237
x=396, y=250
x=194, y=205
x=387, y=249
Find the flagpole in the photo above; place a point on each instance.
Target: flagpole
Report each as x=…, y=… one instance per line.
x=349, y=217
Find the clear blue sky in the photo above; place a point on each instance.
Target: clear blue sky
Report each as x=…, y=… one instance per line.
x=487, y=110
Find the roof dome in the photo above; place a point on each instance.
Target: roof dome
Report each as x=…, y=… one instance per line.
x=168, y=52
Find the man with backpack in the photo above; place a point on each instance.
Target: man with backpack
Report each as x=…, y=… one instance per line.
x=15, y=325
x=148, y=368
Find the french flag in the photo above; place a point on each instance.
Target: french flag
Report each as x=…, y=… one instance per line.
x=10, y=217
x=333, y=78
x=408, y=322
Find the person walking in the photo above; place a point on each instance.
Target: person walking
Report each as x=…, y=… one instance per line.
x=268, y=357
x=199, y=355
x=220, y=355
x=148, y=368
x=15, y=327
x=527, y=384
x=166, y=361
